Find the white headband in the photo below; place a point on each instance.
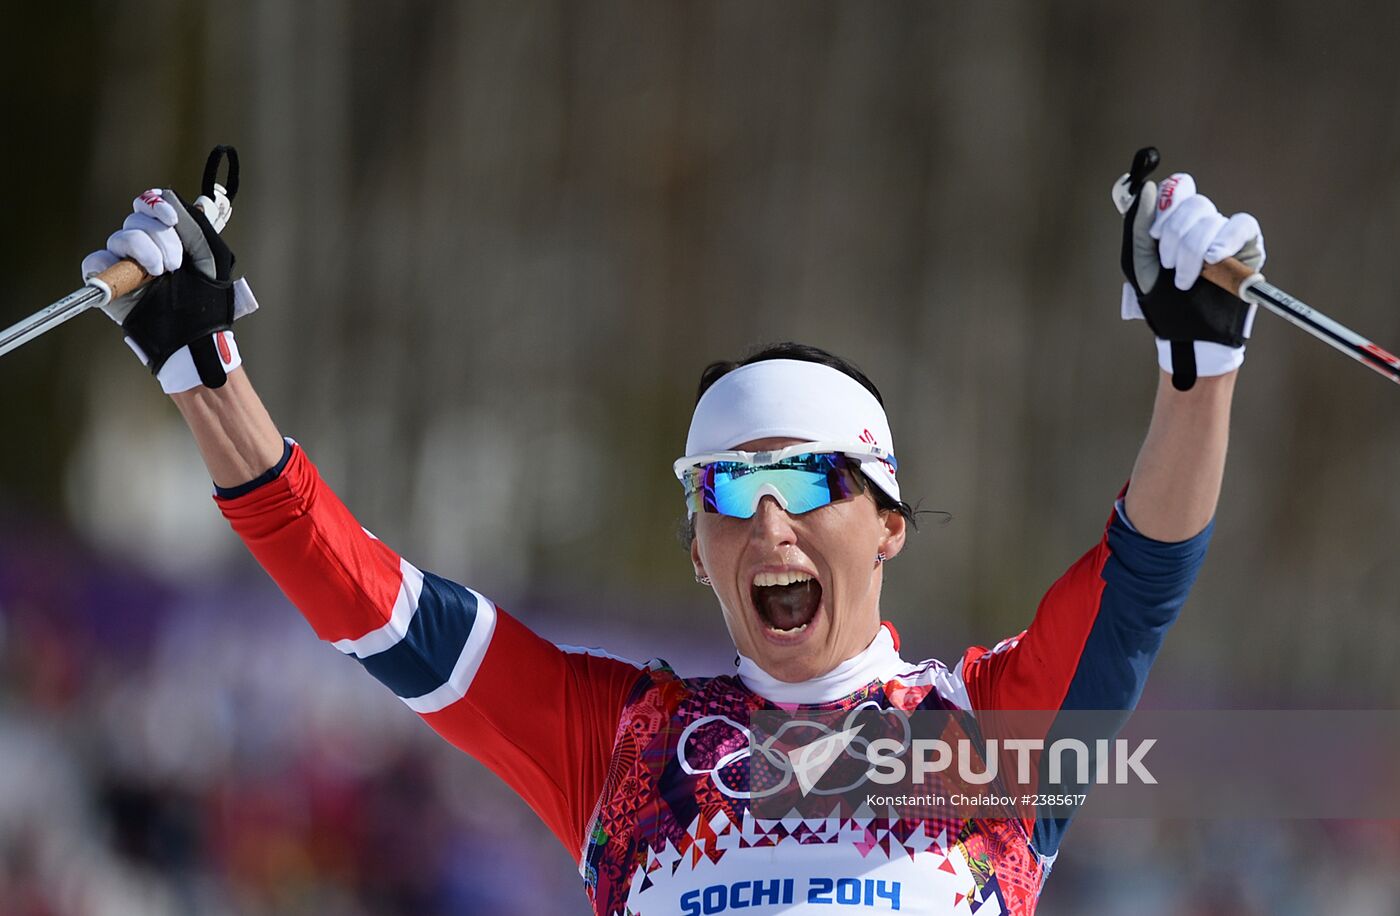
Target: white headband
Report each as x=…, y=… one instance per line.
x=794, y=399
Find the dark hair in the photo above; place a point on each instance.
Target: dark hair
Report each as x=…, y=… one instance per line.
x=807, y=353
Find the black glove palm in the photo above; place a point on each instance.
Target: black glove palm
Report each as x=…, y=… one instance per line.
x=190, y=305
x=1203, y=312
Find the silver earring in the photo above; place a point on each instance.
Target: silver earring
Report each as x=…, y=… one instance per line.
x=880, y=558
x=703, y=580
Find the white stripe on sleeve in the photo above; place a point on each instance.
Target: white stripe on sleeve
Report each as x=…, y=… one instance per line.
x=467, y=663
x=405, y=605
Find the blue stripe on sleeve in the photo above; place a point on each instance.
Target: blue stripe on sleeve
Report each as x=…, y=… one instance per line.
x=265, y=477
x=1146, y=584
x=423, y=660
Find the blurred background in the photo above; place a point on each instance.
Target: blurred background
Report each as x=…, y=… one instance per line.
x=495, y=244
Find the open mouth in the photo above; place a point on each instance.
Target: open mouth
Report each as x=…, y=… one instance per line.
x=786, y=601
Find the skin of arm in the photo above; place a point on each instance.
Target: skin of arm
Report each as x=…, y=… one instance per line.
x=1176, y=481
x=235, y=435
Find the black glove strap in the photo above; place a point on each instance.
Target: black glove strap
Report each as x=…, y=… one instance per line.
x=1183, y=365
x=206, y=361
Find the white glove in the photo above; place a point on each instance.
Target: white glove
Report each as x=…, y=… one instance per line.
x=148, y=237
x=1183, y=232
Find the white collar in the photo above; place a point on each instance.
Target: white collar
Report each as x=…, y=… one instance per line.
x=878, y=661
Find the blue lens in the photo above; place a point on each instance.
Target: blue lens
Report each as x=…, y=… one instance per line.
x=805, y=482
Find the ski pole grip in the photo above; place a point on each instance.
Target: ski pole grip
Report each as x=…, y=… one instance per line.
x=123, y=277
x=126, y=275
x=1230, y=275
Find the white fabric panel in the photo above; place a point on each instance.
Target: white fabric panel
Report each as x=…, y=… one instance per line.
x=376, y=641
x=464, y=672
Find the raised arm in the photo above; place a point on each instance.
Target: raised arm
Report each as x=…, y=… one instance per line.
x=236, y=437
x=1176, y=480
x=543, y=717
x=1099, y=628
x=180, y=325
x=1169, y=234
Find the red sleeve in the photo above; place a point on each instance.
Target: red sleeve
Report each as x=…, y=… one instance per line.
x=541, y=717
x=545, y=721
x=1033, y=669
x=1094, y=638
x=1098, y=629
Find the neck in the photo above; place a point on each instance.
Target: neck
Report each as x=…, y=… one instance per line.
x=878, y=661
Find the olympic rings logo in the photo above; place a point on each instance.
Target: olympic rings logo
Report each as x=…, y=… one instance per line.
x=726, y=751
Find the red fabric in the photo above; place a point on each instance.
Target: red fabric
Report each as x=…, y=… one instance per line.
x=545, y=721
x=1033, y=669
x=894, y=634
x=343, y=581
x=542, y=719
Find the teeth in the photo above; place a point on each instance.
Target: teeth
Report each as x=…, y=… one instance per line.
x=787, y=577
x=789, y=632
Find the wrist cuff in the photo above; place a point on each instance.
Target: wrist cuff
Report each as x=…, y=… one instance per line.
x=267, y=476
x=179, y=374
x=1211, y=358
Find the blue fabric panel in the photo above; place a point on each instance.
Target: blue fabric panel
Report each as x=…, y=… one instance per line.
x=423, y=660
x=1146, y=584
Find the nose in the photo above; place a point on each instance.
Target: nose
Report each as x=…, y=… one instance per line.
x=771, y=524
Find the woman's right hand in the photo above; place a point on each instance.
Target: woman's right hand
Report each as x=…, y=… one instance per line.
x=191, y=300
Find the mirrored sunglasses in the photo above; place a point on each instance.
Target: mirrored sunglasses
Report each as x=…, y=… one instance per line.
x=734, y=486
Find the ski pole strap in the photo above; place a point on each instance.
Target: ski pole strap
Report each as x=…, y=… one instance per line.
x=1145, y=162
x=211, y=171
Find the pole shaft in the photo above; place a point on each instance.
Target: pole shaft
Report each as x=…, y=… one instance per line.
x=1330, y=332
x=1233, y=276
x=116, y=281
x=50, y=317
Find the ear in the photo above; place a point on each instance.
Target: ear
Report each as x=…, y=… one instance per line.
x=895, y=528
